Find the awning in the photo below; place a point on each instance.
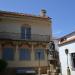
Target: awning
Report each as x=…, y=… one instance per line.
x=25, y=70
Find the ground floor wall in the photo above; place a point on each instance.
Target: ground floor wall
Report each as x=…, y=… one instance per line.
x=22, y=65
x=28, y=71
x=17, y=62
x=24, y=71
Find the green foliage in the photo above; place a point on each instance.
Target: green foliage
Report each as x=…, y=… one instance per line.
x=3, y=65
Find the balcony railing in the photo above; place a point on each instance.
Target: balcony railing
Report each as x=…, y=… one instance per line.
x=17, y=36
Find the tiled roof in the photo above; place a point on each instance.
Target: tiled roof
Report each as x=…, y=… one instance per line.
x=67, y=41
x=3, y=13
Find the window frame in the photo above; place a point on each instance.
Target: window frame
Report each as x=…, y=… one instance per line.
x=72, y=63
x=4, y=56
x=26, y=32
x=25, y=57
x=36, y=55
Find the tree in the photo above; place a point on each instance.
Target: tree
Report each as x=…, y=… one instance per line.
x=3, y=65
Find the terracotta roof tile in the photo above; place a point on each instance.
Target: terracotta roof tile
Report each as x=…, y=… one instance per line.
x=3, y=13
x=67, y=41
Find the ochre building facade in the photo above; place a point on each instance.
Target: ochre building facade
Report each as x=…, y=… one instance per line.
x=23, y=42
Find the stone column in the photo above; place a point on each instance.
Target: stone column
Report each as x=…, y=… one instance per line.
x=39, y=70
x=17, y=53
x=55, y=72
x=48, y=72
x=32, y=52
x=52, y=69
x=32, y=55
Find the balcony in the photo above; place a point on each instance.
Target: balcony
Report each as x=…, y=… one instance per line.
x=17, y=36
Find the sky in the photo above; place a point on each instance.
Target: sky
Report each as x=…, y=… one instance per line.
x=62, y=12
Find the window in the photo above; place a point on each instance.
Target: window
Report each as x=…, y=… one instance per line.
x=25, y=54
x=39, y=54
x=25, y=32
x=73, y=59
x=8, y=54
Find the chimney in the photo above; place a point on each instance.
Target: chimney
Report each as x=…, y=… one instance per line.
x=43, y=13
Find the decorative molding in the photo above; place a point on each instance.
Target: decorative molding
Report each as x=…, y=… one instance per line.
x=25, y=44
x=25, y=25
x=40, y=44
x=9, y=43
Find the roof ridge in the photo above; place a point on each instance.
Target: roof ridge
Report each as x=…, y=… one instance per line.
x=23, y=14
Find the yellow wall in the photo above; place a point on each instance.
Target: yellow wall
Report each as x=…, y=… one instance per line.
x=37, y=26
x=27, y=63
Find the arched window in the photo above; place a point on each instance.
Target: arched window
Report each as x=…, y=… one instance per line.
x=39, y=54
x=24, y=54
x=8, y=53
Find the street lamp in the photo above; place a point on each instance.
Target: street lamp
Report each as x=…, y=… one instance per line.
x=68, y=70
x=48, y=62
x=66, y=52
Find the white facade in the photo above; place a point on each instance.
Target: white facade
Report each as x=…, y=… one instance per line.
x=68, y=43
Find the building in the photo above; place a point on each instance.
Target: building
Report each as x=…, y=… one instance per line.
x=67, y=53
x=23, y=42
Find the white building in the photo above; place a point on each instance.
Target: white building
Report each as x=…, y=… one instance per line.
x=67, y=42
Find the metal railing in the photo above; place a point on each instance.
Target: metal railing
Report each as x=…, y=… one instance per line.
x=17, y=36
